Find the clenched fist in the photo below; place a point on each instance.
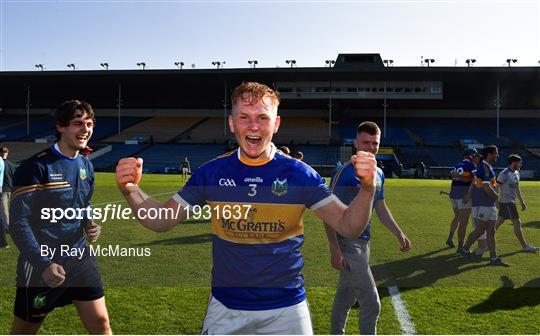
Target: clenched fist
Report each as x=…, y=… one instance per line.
x=365, y=167
x=54, y=275
x=93, y=231
x=128, y=173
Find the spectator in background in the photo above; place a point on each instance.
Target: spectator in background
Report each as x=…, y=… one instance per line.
x=422, y=170
x=299, y=156
x=9, y=171
x=285, y=150
x=185, y=168
x=3, y=242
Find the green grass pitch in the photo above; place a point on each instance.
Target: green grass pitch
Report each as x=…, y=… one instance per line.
x=166, y=293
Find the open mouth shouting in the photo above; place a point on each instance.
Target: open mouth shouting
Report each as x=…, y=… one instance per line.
x=253, y=141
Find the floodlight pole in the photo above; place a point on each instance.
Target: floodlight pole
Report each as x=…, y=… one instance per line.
x=498, y=105
x=385, y=105
x=330, y=117
x=119, y=105
x=28, y=110
x=225, y=110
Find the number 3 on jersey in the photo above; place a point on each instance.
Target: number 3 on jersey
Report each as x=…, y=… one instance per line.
x=253, y=191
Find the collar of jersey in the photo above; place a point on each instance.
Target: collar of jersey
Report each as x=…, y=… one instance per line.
x=258, y=162
x=64, y=156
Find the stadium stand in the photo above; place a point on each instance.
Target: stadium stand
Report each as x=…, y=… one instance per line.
x=163, y=157
x=42, y=126
x=303, y=131
x=440, y=132
x=20, y=151
x=159, y=129
x=210, y=131
x=108, y=161
x=320, y=155
x=10, y=120
x=18, y=128
x=523, y=131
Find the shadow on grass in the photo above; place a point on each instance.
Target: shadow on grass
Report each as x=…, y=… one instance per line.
x=534, y=225
x=189, y=240
x=422, y=270
x=508, y=297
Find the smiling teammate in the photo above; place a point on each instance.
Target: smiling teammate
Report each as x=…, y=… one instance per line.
x=257, y=285
x=57, y=178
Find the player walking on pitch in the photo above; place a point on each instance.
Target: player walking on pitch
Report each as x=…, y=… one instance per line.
x=462, y=177
x=484, y=199
x=351, y=255
x=508, y=187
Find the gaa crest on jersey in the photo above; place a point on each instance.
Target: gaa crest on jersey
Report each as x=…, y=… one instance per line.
x=39, y=302
x=82, y=173
x=279, y=188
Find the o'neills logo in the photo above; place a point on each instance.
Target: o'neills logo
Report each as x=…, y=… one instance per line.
x=254, y=179
x=253, y=230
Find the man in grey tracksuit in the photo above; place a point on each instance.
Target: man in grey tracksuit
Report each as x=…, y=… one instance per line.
x=351, y=256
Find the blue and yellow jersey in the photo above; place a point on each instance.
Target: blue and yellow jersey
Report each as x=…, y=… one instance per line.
x=484, y=177
x=48, y=180
x=256, y=246
x=459, y=188
x=345, y=185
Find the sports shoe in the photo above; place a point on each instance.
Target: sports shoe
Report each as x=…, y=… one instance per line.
x=497, y=262
x=466, y=254
x=480, y=251
x=450, y=243
x=530, y=248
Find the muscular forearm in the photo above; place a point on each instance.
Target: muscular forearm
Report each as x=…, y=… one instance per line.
x=168, y=216
x=355, y=218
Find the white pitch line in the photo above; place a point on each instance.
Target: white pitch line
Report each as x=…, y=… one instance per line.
x=407, y=326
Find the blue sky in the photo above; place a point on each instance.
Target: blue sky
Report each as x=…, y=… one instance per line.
x=159, y=33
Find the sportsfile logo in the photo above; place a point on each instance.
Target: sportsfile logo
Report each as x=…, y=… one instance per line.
x=225, y=182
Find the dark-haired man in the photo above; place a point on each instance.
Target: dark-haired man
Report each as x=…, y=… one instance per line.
x=462, y=177
x=351, y=255
x=484, y=199
x=508, y=186
x=58, y=178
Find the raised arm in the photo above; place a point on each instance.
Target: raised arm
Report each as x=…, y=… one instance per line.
x=351, y=221
x=128, y=176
